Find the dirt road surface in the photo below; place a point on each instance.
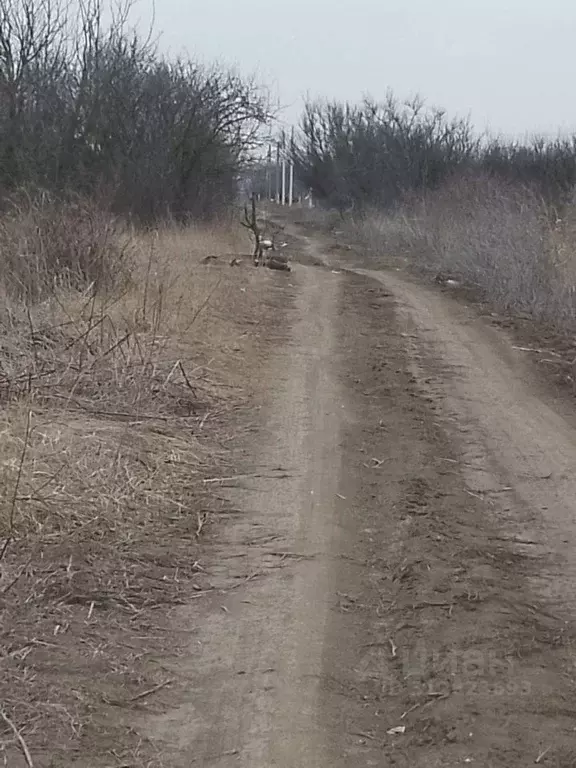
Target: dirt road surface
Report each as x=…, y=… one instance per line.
x=518, y=440
x=397, y=587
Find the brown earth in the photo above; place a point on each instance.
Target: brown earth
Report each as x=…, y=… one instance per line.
x=403, y=561
x=391, y=582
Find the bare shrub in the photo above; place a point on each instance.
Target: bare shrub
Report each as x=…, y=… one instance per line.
x=371, y=154
x=494, y=235
x=89, y=103
x=392, y=235
x=48, y=242
x=132, y=357
x=374, y=153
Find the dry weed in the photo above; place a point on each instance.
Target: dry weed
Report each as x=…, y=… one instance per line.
x=49, y=243
x=495, y=237
x=111, y=417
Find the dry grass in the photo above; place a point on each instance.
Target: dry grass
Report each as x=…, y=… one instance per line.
x=111, y=413
x=49, y=244
x=113, y=364
x=495, y=237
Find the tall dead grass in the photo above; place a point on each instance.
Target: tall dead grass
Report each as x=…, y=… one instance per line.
x=49, y=243
x=496, y=237
x=119, y=351
x=99, y=359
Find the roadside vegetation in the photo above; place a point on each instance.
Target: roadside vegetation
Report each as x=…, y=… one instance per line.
x=120, y=314
x=414, y=185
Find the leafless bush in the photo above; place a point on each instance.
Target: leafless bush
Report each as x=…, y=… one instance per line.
x=493, y=235
x=391, y=234
x=547, y=165
x=48, y=243
x=91, y=106
x=356, y=156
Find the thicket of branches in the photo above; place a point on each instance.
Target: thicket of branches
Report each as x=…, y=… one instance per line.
x=91, y=107
x=374, y=155
x=547, y=167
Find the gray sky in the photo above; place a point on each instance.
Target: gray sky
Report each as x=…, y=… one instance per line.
x=509, y=64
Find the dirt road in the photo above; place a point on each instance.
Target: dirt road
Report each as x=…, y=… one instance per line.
x=260, y=652
x=397, y=587
x=518, y=439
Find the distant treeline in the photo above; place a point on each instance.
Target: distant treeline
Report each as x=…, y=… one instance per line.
x=378, y=154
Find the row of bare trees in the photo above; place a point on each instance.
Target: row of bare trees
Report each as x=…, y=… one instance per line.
x=372, y=154
x=378, y=154
x=90, y=106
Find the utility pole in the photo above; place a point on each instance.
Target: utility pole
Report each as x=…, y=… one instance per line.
x=269, y=174
x=277, y=172
x=283, y=169
x=291, y=175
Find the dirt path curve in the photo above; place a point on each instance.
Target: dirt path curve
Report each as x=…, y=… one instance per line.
x=518, y=441
x=516, y=436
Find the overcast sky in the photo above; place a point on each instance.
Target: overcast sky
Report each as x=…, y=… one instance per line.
x=508, y=64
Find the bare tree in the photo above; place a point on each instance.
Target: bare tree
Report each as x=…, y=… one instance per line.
x=374, y=154
x=92, y=107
